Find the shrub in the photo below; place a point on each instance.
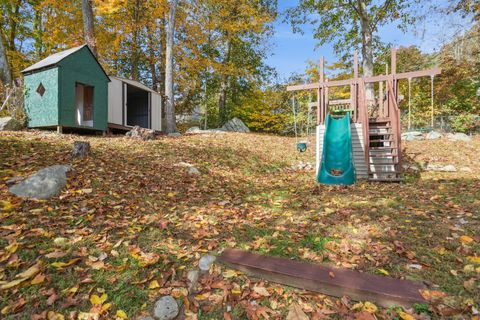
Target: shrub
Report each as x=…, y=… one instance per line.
x=465, y=123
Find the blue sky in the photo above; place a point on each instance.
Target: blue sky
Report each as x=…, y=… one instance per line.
x=291, y=51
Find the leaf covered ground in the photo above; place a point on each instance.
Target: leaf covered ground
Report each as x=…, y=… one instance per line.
x=131, y=223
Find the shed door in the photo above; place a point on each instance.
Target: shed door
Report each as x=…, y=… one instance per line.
x=88, y=103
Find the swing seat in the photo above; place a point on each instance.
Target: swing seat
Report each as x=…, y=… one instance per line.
x=302, y=146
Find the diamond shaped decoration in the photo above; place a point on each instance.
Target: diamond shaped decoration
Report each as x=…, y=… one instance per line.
x=40, y=89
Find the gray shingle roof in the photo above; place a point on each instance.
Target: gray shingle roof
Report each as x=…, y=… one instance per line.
x=52, y=59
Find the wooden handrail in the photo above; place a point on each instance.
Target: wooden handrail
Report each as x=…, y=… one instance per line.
x=394, y=114
x=363, y=115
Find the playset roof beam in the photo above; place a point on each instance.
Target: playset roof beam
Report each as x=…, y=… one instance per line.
x=339, y=83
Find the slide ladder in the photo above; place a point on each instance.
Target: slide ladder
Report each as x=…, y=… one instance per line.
x=336, y=166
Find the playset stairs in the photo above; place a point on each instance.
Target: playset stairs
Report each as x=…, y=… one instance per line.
x=383, y=151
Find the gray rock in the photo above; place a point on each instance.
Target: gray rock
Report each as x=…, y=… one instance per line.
x=235, y=125
x=459, y=137
x=433, y=135
x=194, y=130
x=411, y=167
x=192, y=277
x=412, y=136
x=44, y=184
x=10, y=124
x=174, y=134
x=141, y=133
x=145, y=318
x=166, y=308
x=206, y=262
x=80, y=149
x=440, y=168
x=193, y=171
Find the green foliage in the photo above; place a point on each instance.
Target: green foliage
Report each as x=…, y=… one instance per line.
x=465, y=123
x=340, y=23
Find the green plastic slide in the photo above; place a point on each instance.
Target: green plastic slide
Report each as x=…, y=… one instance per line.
x=337, y=166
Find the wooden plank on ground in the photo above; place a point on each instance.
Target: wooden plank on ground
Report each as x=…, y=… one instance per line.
x=328, y=280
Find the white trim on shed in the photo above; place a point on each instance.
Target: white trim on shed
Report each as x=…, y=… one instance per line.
x=117, y=103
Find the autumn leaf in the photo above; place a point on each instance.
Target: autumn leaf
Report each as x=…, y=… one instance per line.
x=466, y=239
x=121, y=314
x=51, y=315
x=474, y=259
x=229, y=273
x=39, y=278
x=153, y=285
x=61, y=265
x=96, y=300
x=405, y=316
x=295, y=312
x=261, y=291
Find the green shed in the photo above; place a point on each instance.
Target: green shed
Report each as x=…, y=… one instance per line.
x=67, y=89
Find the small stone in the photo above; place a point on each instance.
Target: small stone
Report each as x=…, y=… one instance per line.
x=141, y=133
x=206, y=262
x=414, y=266
x=174, y=134
x=192, y=277
x=166, y=308
x=193, y=171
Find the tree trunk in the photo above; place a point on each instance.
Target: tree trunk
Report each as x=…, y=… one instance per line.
x=161, y=57
x=5, y=73
x=170, y=103
x=222, y=100
x=87, y=12
x=135, y=57
x=38, y=29
x=367, y=49
x=14, y=18
x=151, y=57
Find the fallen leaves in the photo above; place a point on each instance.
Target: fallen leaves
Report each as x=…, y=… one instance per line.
x=152, y=222
x=466, y=239
x=61, y=265
x=295, y=312
x=23, y=276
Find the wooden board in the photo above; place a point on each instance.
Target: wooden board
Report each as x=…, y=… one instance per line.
x=328, y=280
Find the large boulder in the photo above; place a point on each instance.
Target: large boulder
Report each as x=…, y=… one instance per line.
x=44, y=184
x=412, y=136
x=459, y=137
x=141, y=133
x=433, y=135
x=235, y=125
x=9, y=124
x=194, y=130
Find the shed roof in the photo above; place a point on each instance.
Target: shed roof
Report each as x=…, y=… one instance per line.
x=55, y=58
x=134, y=83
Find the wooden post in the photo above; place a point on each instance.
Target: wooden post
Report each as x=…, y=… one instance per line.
x=394, y=71
x=59, y=129
x=409, y=103
x=380, y=98
x=322, y=90
x=431, y=97
x=354, y=87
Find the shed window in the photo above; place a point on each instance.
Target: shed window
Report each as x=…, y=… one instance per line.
x=40, y=89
